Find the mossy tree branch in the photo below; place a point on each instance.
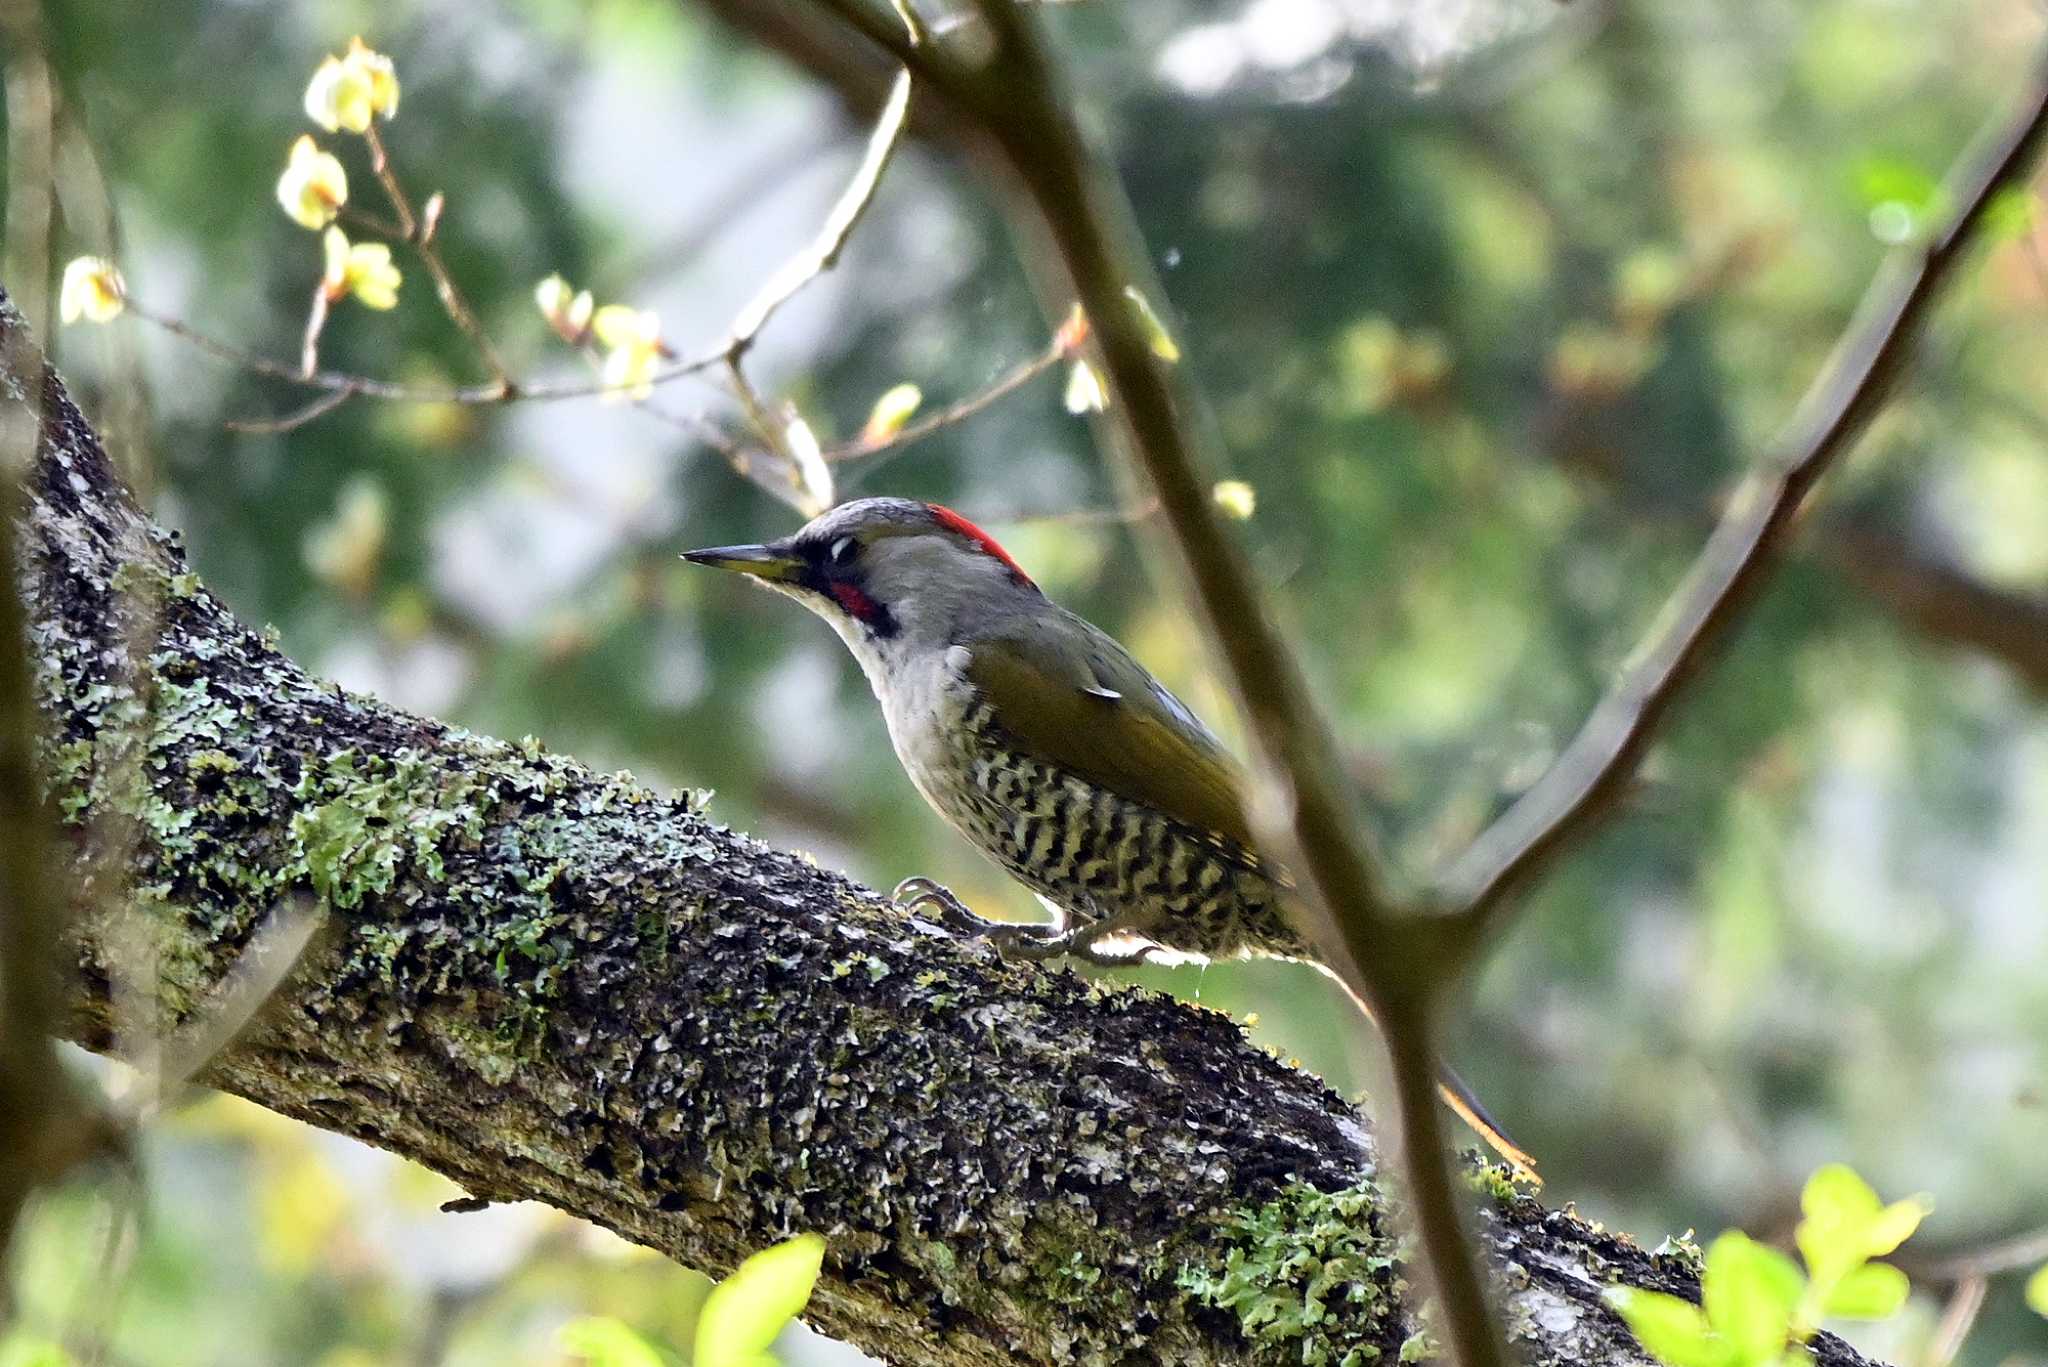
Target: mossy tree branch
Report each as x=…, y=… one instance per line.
x=551, y=984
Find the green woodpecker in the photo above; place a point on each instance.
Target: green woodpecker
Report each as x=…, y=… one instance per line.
x=1043, y=742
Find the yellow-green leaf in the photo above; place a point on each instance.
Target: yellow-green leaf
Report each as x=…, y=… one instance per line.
x=1236, y=499
x=1750, y=1290
x=2037, y=1290
x=602, y=1341
x=1840, y=1209
x=1874, y=1291
x=23, y=1349
x=1836, y=1192
x=890, y=412
x=745, y=1312
x=1156, y=336
x=1894, y=1225
x=1845, y=1223
x=1671, y=1330
x=2010, y=215
x=1085, y=393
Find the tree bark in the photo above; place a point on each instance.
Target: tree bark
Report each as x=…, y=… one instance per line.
x=556, y=985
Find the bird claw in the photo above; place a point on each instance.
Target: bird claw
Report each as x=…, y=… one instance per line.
x=912, y=894
x=1009, y=938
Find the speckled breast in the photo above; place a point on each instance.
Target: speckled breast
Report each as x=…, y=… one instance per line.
x=1100, y=855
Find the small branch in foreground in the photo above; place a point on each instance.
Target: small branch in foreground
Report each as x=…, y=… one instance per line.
x=823, y=252
x=1987, y=1258
x=316, y=323
x=298, y=417
x=1572, y=797
x=1958, y=1317
x=966, y=408
x=1302, y=811
x=369, y=387
x=419, y=230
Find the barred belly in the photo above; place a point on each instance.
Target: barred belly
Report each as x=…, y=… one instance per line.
x=1099, y=856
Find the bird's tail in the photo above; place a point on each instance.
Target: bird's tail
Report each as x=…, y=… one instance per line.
x=1465, y=1105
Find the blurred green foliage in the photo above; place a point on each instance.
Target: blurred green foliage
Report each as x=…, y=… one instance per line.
x=1485, y=336
x=1757, y=1306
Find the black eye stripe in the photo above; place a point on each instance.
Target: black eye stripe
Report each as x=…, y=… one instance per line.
x=838, y=553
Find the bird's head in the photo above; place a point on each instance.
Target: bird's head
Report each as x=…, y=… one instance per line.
x=890, y=574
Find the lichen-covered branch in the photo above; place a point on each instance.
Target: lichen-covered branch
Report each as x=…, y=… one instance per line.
x=557, y=985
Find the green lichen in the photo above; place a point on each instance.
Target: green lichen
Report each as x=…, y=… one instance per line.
x=1071, y=1281
x=1309, y=1274
x=192, y=764
x=363, y=819
x=1496, y=1181
x=1419, y=1346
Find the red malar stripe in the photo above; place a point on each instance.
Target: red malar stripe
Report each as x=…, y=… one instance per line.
x=857, y=604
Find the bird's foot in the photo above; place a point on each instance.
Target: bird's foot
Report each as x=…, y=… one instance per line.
x=916, y=894
x=1010, y=938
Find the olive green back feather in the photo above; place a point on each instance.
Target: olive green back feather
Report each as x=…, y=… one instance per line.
x=1071, y=696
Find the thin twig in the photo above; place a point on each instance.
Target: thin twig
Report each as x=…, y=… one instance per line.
x=756, y=408
x=1958, y=1317
x=966, y=408
x=1987, y=1258
x=45, y=1126
x=264, y=963
x=1084, y=517
x=316, y=323
x=370, y=221
x=420, y=233
x=823, y=252
x=1925, y=588
x=1302, y=811
x=368, y=387
x=30, y=1081
x=298, y=417
x=1572, y=797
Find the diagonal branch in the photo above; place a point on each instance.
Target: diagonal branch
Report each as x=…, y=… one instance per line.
x=1301, y=807
x=1572, y=798
x=555, y=985
x=823, y=252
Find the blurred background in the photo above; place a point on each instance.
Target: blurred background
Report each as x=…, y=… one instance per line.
x=1491, y=299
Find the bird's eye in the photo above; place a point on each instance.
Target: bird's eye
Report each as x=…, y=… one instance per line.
x=844, y=550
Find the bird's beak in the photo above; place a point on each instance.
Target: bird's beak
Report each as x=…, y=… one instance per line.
x=762, y=562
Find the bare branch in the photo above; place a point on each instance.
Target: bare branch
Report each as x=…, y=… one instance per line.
x=823, y=252
x=1086, y=517
x=946, y=417
x=1302, y=809
x=264, y=964
x=419, y=231
x=298, y=417
x=1984, y=1258
x=368, y=387
x=1926, y=589
x=1938, y=597
x=316, y=323
x=1958, y=1317
x=1570, y=799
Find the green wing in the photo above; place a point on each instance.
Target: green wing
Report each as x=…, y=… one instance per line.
x=1071, y=696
